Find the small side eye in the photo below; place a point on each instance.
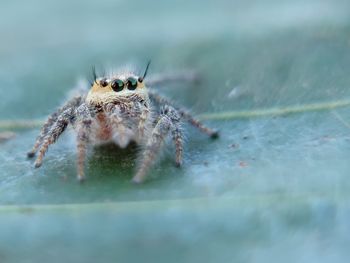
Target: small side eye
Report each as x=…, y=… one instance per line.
x=132, y=83
x=117, y=85
x=103, y=82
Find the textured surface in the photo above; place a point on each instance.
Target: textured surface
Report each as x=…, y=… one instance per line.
x=270, y=189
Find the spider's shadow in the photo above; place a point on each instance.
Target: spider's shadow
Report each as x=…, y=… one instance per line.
x=110, y=159
x=113, y=149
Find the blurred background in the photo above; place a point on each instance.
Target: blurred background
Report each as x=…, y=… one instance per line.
x=271, y=188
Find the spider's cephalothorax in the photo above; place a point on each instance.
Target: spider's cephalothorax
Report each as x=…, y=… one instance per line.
x=120, y=109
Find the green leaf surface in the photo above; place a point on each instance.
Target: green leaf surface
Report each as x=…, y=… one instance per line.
x=273, y=188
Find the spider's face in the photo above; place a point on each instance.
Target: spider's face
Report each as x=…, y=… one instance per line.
x=106, y=89
x=120, y=84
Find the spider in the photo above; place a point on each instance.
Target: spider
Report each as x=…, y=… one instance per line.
x=121, y=109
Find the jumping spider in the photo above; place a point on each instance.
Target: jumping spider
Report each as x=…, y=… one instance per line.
x=120, y=109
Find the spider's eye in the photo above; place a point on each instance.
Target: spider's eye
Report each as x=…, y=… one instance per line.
x=132, y=83
x=117, y=85
x=103, y=82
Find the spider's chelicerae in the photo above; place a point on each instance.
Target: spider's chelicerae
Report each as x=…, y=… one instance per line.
x=120, y=109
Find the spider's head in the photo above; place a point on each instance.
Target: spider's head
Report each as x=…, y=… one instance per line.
x=120, y=84
x=107, y=89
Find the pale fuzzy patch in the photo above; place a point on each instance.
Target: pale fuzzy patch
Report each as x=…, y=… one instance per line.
x=82, y=87
x=112, y=96
x=123, y=139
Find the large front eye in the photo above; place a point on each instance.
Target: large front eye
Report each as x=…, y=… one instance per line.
x=132, y=83
x=103, y=82
x=117, y=85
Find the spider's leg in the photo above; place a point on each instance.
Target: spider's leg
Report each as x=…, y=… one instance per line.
x=168, y=119
x=82, y=139
x=199, y=125
x=50, y=122
x=161, y=79
x=185, y=114
x=178, y=141
x=53, y=134
x=83, y=126
x=44, y=130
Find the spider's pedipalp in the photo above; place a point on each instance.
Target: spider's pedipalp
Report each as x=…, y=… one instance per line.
x=143, y=122
x=184, y=113
x=121, y=134
x=54, y=133
x=50, y=122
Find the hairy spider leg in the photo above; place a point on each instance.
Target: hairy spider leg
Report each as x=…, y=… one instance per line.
x=183, y=112
x=83, y=124
x=54, y=133
x=169, y=120
x=51, y=120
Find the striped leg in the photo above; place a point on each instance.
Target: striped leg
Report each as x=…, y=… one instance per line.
x=82, y=141
x=49, y=123
x=54, y=133
x=184, y=113
x=178, y=142
x=83, y=127
x=168, y=120
x=44, y=130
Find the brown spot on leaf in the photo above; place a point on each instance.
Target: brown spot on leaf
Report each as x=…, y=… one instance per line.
x=243, y=164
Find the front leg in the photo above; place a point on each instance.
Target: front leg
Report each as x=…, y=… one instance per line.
x=83, y=128
x=168, y=120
